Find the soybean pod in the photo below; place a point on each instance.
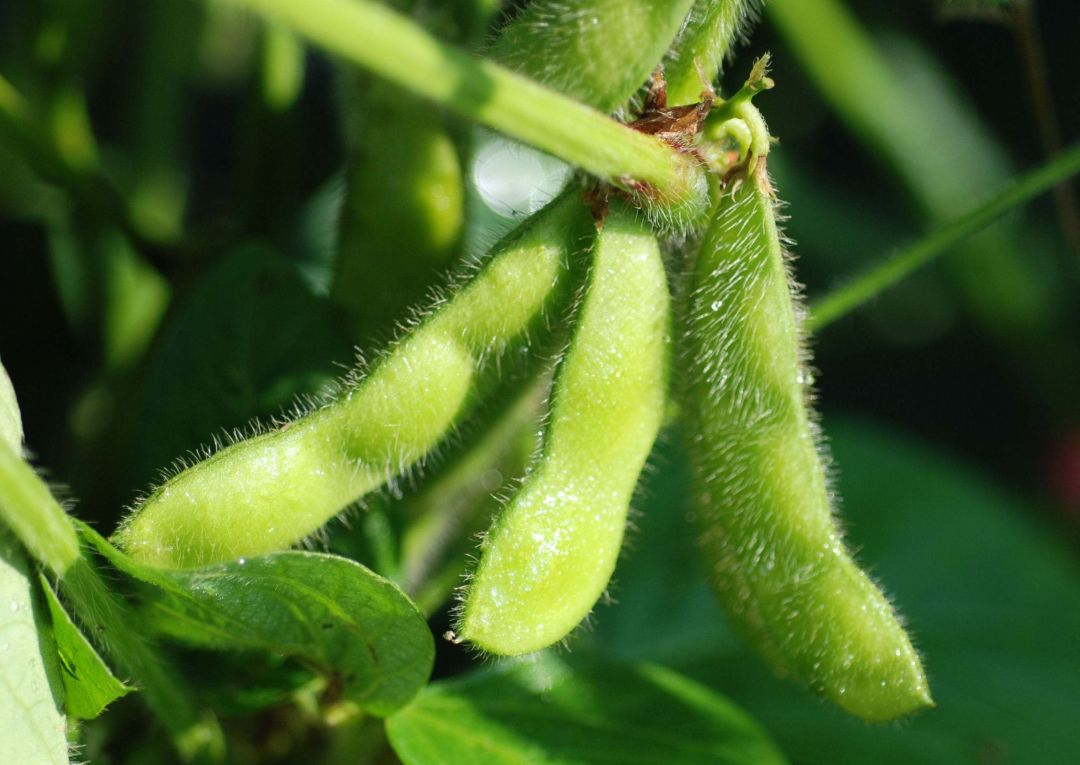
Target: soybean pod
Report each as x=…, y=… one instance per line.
x=762, y=500
x=270, y=491
x=597, y=51
x=404, y=206
x=551, y=552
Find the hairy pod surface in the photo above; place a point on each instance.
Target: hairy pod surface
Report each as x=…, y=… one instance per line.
x=775, y=554
x=551, y=552
x=270, y=491
x=597, y=51
x=710, y=34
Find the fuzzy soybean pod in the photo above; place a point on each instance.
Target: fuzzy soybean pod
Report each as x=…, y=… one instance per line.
x=762, y=499
x=270, y=491
x=597, y=51
x=551, y=552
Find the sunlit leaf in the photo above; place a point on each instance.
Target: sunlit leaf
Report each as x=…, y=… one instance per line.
x=32, y=728
x=353, y=627
x=89, y=684
x=576, y=711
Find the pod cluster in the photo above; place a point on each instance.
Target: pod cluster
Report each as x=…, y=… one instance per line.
x=762, y=500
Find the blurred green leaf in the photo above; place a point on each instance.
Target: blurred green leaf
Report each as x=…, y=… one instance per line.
x=576, y=711
x=248, y=340
x=108, y=291
x=89, y=684
x=991, y=597
x=355, y=628
x=281, y=68
x=32, y=728
x=136, y=299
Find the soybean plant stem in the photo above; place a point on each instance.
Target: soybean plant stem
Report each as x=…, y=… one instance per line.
x=45, y=529
x=28, y=508
x=386, y=42
x=887, y=273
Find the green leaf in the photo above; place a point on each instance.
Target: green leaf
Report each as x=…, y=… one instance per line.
x=576, y=711
x=89, y=684
x=248, y=340
x=992, y=600
x=355, y=628
x=32, y=729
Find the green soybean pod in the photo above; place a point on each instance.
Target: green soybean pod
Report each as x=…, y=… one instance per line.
x=710, y=34
x=404, y=206
x=270, y=491
x=551, y=552
x=762, y=499
x=597, y=51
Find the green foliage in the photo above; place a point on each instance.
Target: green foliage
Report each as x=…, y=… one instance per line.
x=89, y=684
x=203, y=210
x=32, y=724
x=355, y=628
x=545, y=712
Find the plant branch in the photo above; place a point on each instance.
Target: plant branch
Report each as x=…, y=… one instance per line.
x=887, y=273
x=30, y=511
x=377, y=38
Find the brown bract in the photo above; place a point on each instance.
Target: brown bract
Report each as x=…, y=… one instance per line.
x=679, y=126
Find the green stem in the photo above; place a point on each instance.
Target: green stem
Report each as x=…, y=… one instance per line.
x=890, y=271
x=29, y=509
x=377, y=38
x=47, y=531
x=196, y=736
